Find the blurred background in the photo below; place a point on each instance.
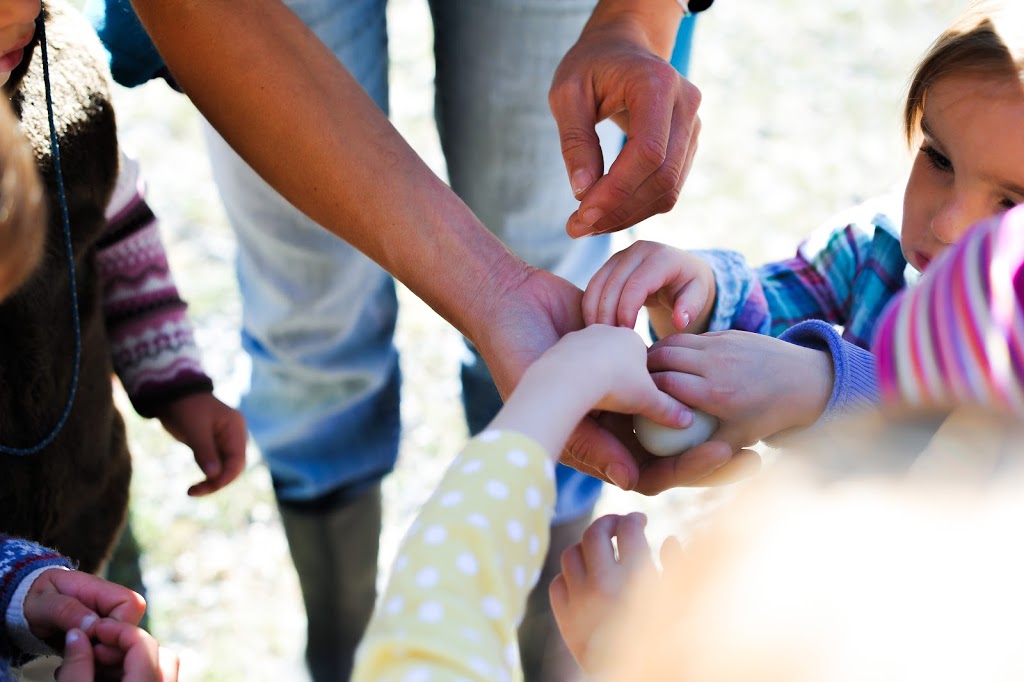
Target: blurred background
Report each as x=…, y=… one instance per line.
x=801, y=118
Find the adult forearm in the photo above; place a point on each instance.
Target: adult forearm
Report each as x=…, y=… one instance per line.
x=283, y=101
x=656, y=22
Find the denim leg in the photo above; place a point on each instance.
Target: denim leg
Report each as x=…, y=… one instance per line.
x=318, y=316
x=495, y=60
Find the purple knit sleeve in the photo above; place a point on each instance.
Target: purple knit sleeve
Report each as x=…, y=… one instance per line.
x=153, y=348
x=958, y=336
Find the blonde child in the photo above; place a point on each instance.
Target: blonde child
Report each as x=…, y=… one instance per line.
x=966, y=106
x=100, y=299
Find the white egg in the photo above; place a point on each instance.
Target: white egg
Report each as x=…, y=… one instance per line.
x=666, y=442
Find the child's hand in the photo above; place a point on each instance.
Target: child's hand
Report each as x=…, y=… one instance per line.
x=591, y=587
x=119, y=651
x=215, y=432
x=60, y=600
x=595, y=368
x=756, y=385
x=677, y=287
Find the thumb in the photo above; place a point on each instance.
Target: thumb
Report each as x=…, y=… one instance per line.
x=581, y=147
x=78, y=662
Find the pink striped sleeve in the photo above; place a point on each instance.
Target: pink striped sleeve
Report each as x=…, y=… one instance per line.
x=958, y=336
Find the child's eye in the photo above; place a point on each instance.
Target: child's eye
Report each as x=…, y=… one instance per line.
x=1007, y=203
x=937, y=158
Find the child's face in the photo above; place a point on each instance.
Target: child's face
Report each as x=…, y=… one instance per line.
x=971, y=162
x=17, y=26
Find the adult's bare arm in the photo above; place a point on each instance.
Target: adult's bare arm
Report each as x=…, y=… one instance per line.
x=618, y=69
x=292, y=111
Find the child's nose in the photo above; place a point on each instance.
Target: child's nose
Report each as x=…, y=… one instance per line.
x=952, y=219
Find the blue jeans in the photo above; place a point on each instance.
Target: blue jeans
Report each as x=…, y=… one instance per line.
x=319, y=317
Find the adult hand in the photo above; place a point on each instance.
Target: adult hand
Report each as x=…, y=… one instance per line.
x=530, y=312
x=614, y=71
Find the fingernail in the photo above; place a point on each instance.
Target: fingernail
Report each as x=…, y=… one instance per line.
x=88, y=621
x=577, y=229
x=616, y=473
x=580, y=181
x=591, y=216
x=72, y=636
x=685, y=319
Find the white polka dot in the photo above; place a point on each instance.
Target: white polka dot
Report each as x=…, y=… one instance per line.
x=533, y=497
x=414, y=527
x=549, y=469
x=504, y=675
x=427, y=577
x=517, y=458
x=478, y=520
x=395, y=605
x=400, y=563
x=512, y=656
x=519, y=575
x=451, y=499
x=497, y=489
x=480, y=666
x=533, y=544
x=471, y=635
x=466, y=563
x=435, y=535
x=515, y=530
x=536, y=577
x=431, y=612
x=493, y=607
x=489, y=436
x=418, y=675
x=472, y=466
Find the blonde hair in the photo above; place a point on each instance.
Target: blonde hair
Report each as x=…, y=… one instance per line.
x=857, y=557
x=987, y=39
x=22, y=206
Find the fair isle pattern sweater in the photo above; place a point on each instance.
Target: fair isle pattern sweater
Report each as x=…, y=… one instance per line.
x=18, y=560
x=151, y=341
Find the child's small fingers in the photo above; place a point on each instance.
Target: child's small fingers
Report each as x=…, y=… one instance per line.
x=594, y=291
x=689, y=303
x=634, y=552
x=77, y=665
x=574, y=570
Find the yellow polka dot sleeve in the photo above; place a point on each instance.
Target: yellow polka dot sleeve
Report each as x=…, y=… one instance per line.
x=459, y=584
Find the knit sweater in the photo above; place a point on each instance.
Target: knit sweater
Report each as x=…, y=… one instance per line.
x=72, y=494
x=20, y=562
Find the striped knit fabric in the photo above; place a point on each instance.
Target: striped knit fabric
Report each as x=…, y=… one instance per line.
x=154, y=352
x=18, y=559
x=958, y=336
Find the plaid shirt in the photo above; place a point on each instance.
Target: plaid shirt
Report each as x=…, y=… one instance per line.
x=843, y=275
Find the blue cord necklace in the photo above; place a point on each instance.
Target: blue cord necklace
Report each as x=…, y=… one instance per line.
x=76, y=322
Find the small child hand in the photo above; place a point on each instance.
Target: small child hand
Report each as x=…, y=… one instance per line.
x=756, y=385
x=60, y=600
x=677, y=287
x=119, y=651
x=215, y=432
x=591, y=587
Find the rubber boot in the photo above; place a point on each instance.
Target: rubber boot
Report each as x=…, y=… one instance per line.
x=334, y=545
x=544, y=655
